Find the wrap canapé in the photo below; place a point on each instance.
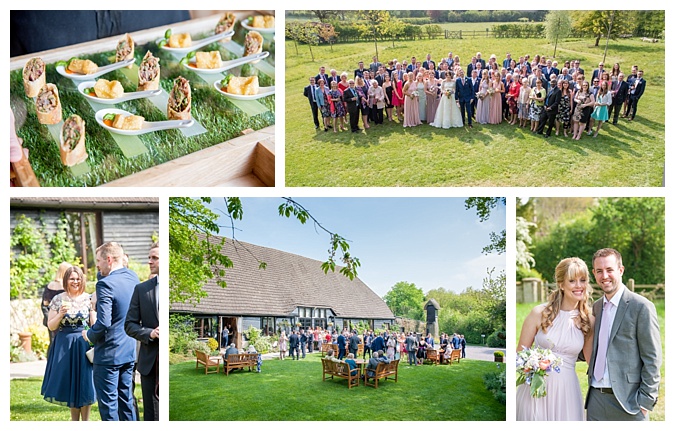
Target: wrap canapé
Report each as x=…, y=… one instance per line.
x=263, y=21
x=180, y=100
x=34, y=77
x=48, y=105
x=226, y=23
x=125, y=49
x=253, y=44
x=148, y=73
x=72, y=148
x=83, y=67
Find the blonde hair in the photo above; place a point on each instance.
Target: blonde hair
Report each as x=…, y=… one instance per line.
x=61, y=270
x=568, y=269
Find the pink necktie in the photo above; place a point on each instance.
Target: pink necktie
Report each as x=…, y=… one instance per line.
x=603, y=341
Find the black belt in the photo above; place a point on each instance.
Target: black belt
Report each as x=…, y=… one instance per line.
x=604, y=390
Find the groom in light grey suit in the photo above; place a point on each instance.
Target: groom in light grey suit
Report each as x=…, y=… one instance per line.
x=624, y=371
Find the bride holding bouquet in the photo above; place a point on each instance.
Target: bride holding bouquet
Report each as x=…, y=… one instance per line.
x=448, y=113
x=564, y=325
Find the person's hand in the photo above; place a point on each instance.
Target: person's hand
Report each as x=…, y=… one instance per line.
x=644, y=411
x=16, y=151
x=84, y=335
x=155, y=333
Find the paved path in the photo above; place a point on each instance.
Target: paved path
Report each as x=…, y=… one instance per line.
x=19, y=370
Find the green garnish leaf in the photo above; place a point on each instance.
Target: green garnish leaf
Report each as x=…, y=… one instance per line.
x=167, y=34
x=226, y=80
x=109, y=116
x=90, y=90
x=62, y=63
x=183, y=61
x=162, y=43
x=191, y=54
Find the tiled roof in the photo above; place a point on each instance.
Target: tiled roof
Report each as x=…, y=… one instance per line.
x=289, y=281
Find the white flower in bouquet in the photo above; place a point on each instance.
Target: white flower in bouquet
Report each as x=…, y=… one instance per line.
x=533, y=366
x=415, y=94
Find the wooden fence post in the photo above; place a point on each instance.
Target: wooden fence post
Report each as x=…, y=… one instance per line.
x=631, y=285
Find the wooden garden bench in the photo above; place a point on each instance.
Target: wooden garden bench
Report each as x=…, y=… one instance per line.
x=207, y=362
x=433, y=356
x=340, y=369
x=240, y=360
x=455, y=355
x=384, y=371
x=325, y=347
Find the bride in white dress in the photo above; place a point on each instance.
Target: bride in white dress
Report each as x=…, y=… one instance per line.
x=448, y=113
x=564, y=325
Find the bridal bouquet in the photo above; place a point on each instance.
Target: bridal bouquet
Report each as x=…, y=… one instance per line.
x=449, y=93
x=532, y=367
x=480, y=96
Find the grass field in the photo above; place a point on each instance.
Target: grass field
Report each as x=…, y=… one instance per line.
x=522, y=310
x=294, y=391
x=26, y=403
x=630, y=154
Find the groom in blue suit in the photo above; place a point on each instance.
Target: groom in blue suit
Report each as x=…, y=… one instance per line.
x=464, y=95
x=114, y=350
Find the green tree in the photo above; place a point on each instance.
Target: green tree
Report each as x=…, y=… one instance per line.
x=558, y=26
x=373, y=25
x=636, y=228
x=406, y=300
x=195, y=249
x=484, y=207
x=393, y=28
x=327, y=32
x=325, y=15
x=650, y=23
x=294, y=33
x=309, y=34
x=607, y=23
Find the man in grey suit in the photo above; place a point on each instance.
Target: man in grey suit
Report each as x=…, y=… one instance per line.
x=624, y=370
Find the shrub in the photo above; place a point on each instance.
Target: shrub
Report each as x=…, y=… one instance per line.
x=498, y=353
x=182, y=337
x=252, y=334
x=263, y=344
x=17, y=354
x=40, y=341
x=495, y=382
x=212, y=344
x=496, y=339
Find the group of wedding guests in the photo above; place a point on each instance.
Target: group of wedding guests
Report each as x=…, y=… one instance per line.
x=518, y=92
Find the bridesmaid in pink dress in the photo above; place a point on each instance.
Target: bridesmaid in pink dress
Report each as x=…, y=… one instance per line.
x=397, y=96
x=483, y=105
x=496, y=100
x=431, y=89
x=411, y=109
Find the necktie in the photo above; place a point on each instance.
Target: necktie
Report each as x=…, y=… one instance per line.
x=603, y=342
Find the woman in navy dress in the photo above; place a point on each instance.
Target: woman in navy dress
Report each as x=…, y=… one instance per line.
x=69, y=377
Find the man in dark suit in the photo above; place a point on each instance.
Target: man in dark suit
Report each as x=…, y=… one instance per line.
x=114, y=350
x=597, y=73
x=629, y=80
x=352, y=98
x=354, y=342
x=471, y=66
x=550, y=108
x=321, y=75
x=480, y=60
x=465, y=96
x=303, y=342
x=507, y=61
x=380, y=76
x=360, y=70
x=333, y=78
x=342, y=345
x=378, y=344
x=427, y=62
x=411, y=347
x=310, y=93
x=142, y=323
x=294, y=345
x=619, y=93
x=635, y=91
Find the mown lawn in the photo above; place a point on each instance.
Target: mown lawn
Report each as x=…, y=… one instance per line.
x=294, y=391
x=659, y=413
x=26, y=403
x=630, y=154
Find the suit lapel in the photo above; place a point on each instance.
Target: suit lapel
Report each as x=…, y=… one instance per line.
x=597, y=312
x=620, y=313
x=154, y=300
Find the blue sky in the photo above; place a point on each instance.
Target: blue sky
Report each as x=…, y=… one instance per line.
x=432, y=242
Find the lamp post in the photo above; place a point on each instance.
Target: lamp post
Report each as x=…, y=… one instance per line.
x=483, y=337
